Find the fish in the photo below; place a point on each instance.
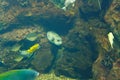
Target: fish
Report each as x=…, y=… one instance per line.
x=67, y=3
x=29, y=53
x=31, y=36
x=31, y=50
x=19, y=74
x=54, y=38
x=16, y=47
x=111, y=38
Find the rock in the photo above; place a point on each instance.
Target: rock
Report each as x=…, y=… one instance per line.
x=77, y=57
x=36, y=12
x=115, y=71
x=112, y=15
x=91, y=9
x=17, y=34
x=42, y=61
x=112, y=18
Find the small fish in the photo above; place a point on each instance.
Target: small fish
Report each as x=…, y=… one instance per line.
x=33, y=48
x=16, y=47
x=30, y=50
x=111, y=38
x=27, y=53
x=31, y=36
x=54, y=38
x=67, y=3
x=20, y=74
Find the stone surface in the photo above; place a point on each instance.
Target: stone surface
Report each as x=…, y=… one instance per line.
x=104, y=68
x=79, y=53
x=42, y=60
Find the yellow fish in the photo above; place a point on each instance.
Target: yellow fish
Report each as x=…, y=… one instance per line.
x=31, y=50
x=27, y=53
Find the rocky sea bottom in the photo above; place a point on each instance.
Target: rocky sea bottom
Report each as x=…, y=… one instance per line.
x=52, y=76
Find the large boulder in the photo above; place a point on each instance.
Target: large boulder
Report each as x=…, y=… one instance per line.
x=78, y=54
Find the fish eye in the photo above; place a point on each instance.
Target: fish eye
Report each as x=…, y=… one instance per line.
x=58, y=40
